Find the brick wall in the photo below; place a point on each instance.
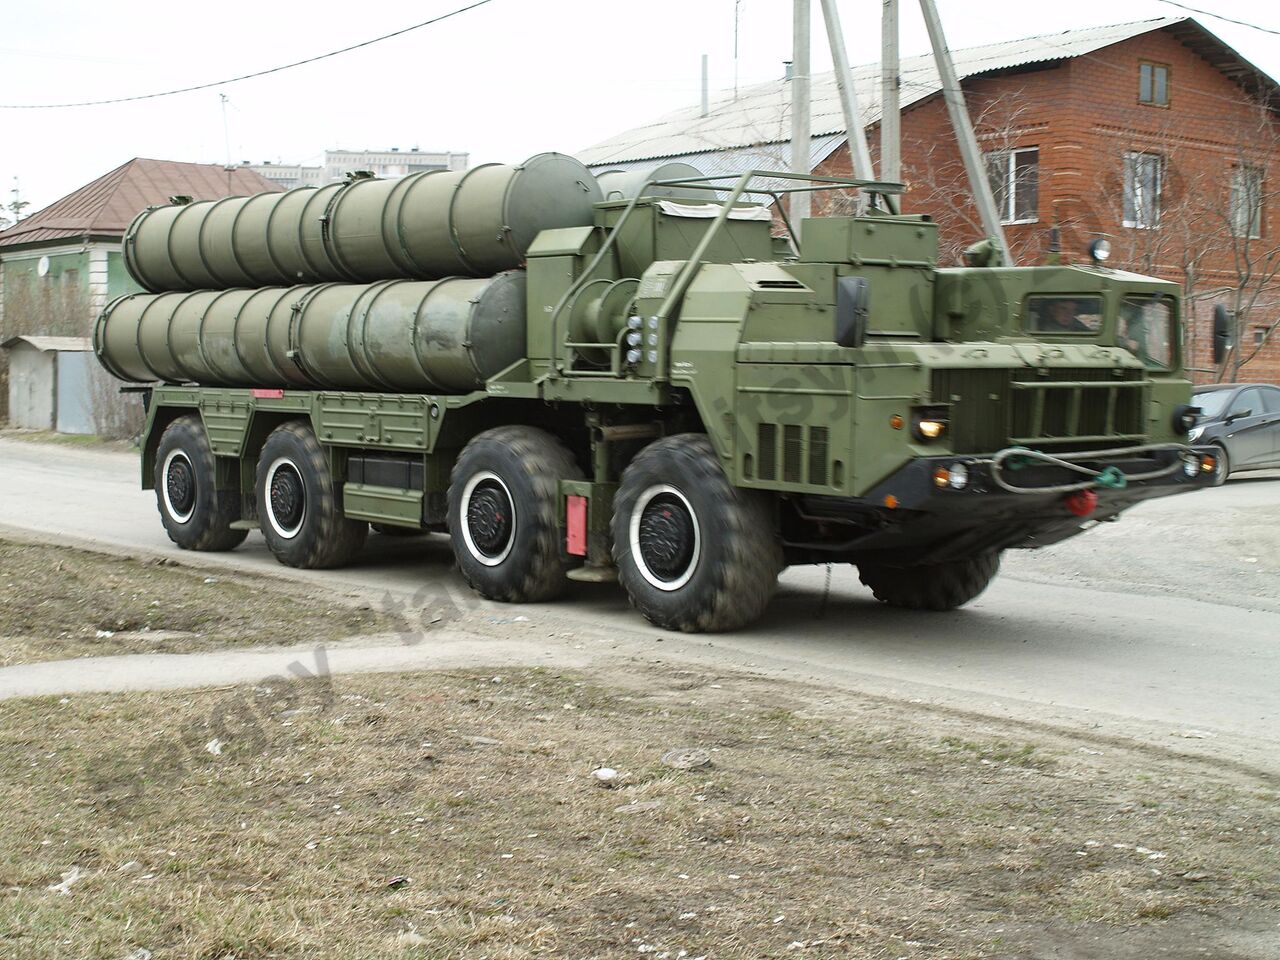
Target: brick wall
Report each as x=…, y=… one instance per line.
x=1083, y=115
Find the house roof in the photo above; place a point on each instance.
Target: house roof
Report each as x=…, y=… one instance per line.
x=105, y=206
x=46, y=344
x=761, y=114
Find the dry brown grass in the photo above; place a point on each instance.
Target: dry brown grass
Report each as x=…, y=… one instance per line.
x=57, y=603
x=804, y=836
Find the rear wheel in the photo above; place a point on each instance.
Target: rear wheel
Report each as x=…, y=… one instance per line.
x=504, y=514
x=298, y=506
x=195, y=513
x=693, y=551
x=937, y=586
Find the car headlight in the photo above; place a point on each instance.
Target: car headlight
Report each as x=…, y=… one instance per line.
x=1194, y=435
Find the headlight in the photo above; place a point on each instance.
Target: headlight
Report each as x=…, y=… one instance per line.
x=929, y=423
x=1099, y=250
x=1195, y=433
x=1191, y=465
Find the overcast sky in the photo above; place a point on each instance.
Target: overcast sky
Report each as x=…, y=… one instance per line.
x=502, y=82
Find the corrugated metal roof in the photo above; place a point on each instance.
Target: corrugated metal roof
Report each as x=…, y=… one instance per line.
x=46, y=344
x=761, y=114
x=737, y=160
x=105, y=206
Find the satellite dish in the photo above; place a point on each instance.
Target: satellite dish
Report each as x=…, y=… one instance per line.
x=42, y=266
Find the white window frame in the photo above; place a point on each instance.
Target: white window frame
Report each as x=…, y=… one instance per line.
x=1252, y=230
x=1009, y=158
x=1133, y=160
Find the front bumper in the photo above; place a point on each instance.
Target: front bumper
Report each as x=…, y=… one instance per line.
x=910, y=517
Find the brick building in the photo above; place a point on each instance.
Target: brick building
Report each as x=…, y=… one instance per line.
x=1156, y=135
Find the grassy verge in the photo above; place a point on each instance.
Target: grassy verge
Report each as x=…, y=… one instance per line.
x=57, y=603
x=457, y=815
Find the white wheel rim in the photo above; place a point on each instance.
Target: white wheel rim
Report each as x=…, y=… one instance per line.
x=280, y=530
x=637, y=556
x=176, y=515
x=464, y=510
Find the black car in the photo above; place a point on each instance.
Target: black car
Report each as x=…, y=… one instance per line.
x=1243, y=421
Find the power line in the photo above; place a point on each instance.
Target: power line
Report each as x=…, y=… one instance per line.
x=247, y=76
x=1218, y=16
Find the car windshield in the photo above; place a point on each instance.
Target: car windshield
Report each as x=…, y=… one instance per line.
x=1212, y=403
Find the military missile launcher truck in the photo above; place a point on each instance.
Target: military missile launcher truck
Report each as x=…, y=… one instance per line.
x=650, y=388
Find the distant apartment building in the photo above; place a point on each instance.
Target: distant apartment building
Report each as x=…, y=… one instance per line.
x=338, y=163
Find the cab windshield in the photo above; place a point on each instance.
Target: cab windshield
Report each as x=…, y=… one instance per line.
x=1064, y=314
x=1147, y=330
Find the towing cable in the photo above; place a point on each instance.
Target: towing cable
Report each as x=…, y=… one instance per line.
x=1110, y=477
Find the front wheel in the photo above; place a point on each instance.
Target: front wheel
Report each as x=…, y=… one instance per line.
x=504, y=514
x=195, y=513
x=935, y=586
x=301, y=516
x=1224, y=465
x=693, y=552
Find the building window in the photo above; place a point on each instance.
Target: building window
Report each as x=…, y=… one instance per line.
x=1015, y=182
x=1153, y=84
x=1246, y=201
x=1143, y=174
x=1259, y=336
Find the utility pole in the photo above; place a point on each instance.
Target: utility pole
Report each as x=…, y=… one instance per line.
x=965, y=139
x=859, y=152
x=705, y=94
x=800, y=106
x=890, y=110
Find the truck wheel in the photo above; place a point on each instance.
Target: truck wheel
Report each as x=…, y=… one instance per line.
x=937, y=586
x=298, y=506
x=504, y=514
x=693, y=551
x=196, y=515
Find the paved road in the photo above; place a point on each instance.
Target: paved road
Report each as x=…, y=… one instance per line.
x=1164, y=627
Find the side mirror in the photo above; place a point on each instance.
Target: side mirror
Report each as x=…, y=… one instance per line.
x=853, y=300
x=1239, y=414
x=1221, y=333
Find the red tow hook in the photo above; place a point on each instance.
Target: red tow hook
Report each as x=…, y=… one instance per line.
x=1081, y=503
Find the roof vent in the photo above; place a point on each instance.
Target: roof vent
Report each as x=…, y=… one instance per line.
x=787, y=69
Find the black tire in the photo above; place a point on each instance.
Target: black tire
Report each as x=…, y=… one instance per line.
x=693, y=552
x=505, y=514
x=1224, y=465
x=938, y=586
x=195, y=514
x=298, y=506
